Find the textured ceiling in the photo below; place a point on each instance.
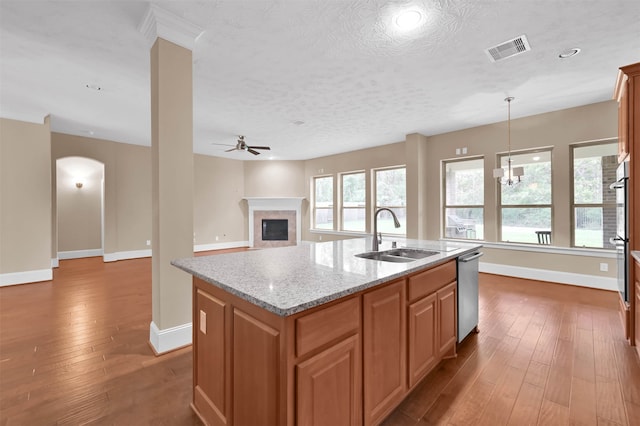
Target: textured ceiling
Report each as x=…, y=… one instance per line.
x=341, y=67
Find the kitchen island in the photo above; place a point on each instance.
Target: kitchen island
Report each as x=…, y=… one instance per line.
x=313, y=334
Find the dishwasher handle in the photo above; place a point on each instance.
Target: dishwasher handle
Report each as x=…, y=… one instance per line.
x=470, y=258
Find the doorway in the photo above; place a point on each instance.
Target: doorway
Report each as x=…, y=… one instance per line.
x=79, y=207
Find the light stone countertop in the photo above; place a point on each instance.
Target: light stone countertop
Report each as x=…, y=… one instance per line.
x=636, y=255
x=292, y=279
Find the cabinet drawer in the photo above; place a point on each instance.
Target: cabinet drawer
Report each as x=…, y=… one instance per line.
x=321, y=327
x=431, y=280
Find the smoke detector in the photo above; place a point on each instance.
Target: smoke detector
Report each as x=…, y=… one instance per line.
x=508, y=49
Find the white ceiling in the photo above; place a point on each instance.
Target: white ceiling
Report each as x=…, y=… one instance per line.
x=339, y=66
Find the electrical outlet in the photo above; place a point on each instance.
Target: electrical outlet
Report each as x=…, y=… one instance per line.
x=457, y=151
x=148, y=242
x=319, y=237
x=216, y=238
x=604, y=267
x=464, y=150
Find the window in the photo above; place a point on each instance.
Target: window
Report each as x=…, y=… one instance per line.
x=464, y=199
x=593, y=206
x=323, y=202
x=353, y=201
x=391, y=192
x=525, y=207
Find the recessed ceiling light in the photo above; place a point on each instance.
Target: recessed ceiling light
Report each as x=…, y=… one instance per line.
x=569, y=53
x=408, y=19
x=298, y=122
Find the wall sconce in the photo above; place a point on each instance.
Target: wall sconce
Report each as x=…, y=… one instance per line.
x=78, y=185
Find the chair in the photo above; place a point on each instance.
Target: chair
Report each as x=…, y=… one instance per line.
x=544, y=237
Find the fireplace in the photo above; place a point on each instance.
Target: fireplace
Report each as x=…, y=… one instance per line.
x=275, y=229
x=274, y=222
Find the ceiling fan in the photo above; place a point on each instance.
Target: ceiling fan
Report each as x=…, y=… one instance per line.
x=241, y=145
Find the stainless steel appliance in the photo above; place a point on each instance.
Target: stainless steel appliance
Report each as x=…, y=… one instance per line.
x=468, y=294
x=621, y=240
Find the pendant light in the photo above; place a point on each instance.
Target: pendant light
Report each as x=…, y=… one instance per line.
x=514, y=174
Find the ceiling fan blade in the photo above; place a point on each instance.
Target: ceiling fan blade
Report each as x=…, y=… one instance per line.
x=232, y=149
x=259, y=147
x=252, y=151
x=223, y=144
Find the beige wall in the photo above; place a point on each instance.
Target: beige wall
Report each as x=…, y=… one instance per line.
x=362, y=160
x=557, y=129
x=220, y=214
x=25, y=196
x=220, y=185
x=127, y=188
x=274, y=179
x=79, y=210
x=423, y=157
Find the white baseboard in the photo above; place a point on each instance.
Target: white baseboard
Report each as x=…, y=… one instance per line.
x=124, y=255
x=136, y=254
x=13, y=278
x=170, y=338
x=77, y=254
x=582, y=280
x=55, y=262
x=220, y=246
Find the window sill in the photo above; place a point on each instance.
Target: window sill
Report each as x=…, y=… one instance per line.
x=573, y=251
x=351, y=233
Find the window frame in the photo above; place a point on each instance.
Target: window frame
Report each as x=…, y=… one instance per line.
x=501, y=206
x=374, y=188
x=341, y=202
x=444, y=206
x=573, y=205
x=330, y=207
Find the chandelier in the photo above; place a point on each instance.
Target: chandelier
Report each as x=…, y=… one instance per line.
x=513, y=174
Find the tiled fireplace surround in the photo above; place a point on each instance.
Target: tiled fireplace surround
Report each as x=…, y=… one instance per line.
x=274, y=208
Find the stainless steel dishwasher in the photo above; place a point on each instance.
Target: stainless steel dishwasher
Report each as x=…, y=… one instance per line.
x=468, y=294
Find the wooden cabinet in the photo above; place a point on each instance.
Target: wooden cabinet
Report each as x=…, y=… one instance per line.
x=636, y=275
x=627, y=93
x=211, y=358
x=447, y=320
x=432, y=325
x=423, y=338
x=622, y=96
x=328, y=386
x=384, y=354
x=348, y=362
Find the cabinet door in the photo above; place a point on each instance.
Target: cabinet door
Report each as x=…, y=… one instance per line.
x=256, y=371
x=623, y=122
x=211, y=371
x=328, y=386
x=384, y=350
x=637, y=307
x=423, y=338
x=447, y=320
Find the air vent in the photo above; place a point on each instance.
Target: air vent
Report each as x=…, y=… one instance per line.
x=508, y=49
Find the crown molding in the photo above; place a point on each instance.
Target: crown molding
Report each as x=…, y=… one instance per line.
x=160, y=23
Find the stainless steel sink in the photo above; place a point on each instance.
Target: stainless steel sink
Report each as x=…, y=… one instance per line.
x=411, y=253
x=401, y=255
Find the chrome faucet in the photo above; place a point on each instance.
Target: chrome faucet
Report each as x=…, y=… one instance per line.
x=376, y=241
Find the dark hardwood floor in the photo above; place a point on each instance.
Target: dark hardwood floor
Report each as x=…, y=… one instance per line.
x=75, y=351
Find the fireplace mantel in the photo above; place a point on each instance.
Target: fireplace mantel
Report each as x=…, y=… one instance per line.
x=274, y=203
